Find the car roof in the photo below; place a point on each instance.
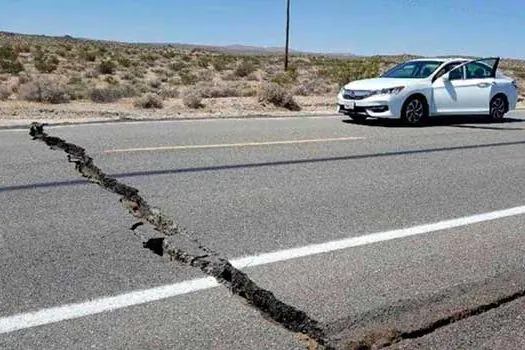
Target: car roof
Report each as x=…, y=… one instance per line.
x=441, y=59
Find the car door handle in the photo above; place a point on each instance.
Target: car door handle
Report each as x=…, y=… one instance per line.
x=483, y=85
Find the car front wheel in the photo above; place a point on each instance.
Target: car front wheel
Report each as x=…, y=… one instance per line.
x=414, y=111
x=498, y=108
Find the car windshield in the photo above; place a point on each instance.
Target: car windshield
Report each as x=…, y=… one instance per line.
x=413, y=70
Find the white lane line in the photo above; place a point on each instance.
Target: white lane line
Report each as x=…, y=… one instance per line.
x=241, y=144
x=68, y=312
x=139, y=122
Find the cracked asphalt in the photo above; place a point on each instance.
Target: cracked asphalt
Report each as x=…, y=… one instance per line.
x=63, y=241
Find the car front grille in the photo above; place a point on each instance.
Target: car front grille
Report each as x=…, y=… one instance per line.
x=356, y=94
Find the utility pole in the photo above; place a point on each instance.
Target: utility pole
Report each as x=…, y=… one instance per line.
x=287, y=35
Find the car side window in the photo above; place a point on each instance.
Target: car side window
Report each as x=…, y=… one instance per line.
x=477, y=70
x=456, y=74
x=446, y=69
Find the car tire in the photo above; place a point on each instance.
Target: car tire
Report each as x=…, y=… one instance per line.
x=498, y=108
x=358, y=118
x=414, y=111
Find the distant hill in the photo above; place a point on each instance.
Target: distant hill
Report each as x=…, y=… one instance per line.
x=235, y=48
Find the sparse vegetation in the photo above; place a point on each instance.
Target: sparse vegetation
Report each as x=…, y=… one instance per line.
x=46, y=63
x=149, y=101
x=109, y=94
x=9, y=62
x=275, y=94
x=107, y=67
x=5, y=92
x=244, y=69
x=44, y=90
x=56, y=70
x=192, y=98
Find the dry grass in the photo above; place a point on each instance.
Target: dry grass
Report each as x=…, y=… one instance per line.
x=107, y=72
x=149, y=101
x=5, y=92
x=192, y=98
x=275, y=94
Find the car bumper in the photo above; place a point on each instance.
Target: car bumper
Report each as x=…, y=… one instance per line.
x=384, y=106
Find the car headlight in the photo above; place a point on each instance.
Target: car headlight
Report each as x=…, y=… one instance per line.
x=390, y=91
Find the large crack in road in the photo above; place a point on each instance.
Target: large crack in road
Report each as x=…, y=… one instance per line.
x=381, y=328
x=417, y=317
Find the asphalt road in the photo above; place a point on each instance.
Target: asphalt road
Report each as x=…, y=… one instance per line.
x=249, y=187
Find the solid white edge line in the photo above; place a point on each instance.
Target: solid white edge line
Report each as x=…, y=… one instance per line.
x=67, y=312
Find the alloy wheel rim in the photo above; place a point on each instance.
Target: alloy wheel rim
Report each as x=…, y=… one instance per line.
x=498, y=108
x=414, y=111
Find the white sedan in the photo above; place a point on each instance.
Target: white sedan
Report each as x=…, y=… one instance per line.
x=421, y=88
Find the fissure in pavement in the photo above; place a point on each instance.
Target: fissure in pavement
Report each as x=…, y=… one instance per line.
x=179, y=245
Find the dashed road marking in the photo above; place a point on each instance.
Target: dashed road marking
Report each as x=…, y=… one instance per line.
x=230, y=145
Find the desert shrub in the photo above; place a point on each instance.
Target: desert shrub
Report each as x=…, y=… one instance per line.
x=23, y=78
x=343, y=72
x=244, y=69
x=167, y=93
x=11, y=67
x=169, y=54
x=177, y=66
x=9, y=60
x=44, y=90
x=248, y=92
x=124, y=61
x=45, y=63
x=128, y=76
x=107, y=67
x=138, y=72
x=77, y=90
x=211, y=90
x=92, y=73
x=252, y=77
x=275, y=94
x=192, y=98
x=188, y=78
x=109, y=94
x=310, y=88
x=219, y=65
x=149, y=101
x=5, y=92
x=7, y=53
x=286, y=78
x=155, y=83
x=22, y=47
x=110, y=79
x=149, y=57
x=204, y=61
x=75, y=79
x=89, y=56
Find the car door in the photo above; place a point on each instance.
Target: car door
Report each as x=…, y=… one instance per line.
x=443, y=95
x=466, y=89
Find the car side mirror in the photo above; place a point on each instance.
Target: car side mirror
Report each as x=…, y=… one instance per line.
x=446, y=76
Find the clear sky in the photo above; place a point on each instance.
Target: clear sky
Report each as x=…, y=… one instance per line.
x=427, y=27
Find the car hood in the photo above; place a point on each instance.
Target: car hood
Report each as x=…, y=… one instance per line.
x=381, y=83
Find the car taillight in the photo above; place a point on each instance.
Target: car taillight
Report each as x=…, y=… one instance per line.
x=515, y=84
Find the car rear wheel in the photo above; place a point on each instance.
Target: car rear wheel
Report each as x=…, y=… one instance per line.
x=498, y=108
x=414, y=111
